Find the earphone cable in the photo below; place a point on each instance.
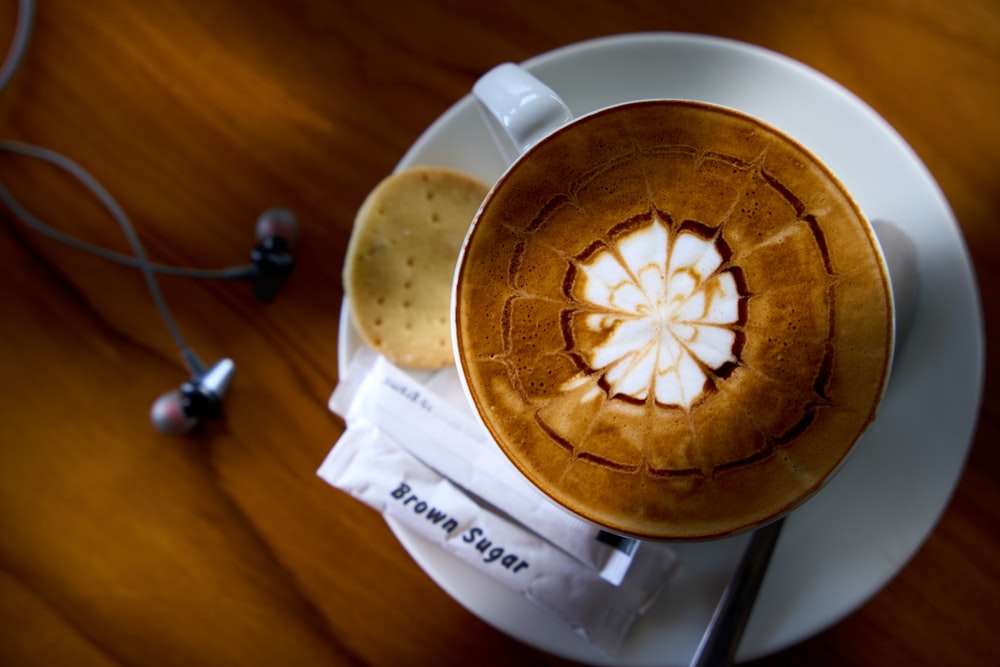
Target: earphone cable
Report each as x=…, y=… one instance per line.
x=191, y=359
x=15, y=54
x=26, y=216
x=19, y=44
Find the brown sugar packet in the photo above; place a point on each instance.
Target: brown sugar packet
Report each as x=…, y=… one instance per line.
x=401, y=260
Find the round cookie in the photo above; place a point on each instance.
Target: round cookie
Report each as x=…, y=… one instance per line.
x=401, y=260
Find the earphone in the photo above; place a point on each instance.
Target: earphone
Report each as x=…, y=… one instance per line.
x=180, y=410
x=271, y=261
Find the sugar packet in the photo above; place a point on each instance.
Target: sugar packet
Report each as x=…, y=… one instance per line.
x=445, y=436
x=368, y=465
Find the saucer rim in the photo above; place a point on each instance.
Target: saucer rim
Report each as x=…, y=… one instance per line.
x=562, y=643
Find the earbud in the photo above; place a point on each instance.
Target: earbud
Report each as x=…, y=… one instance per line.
x=179, y=410
x=277, y=231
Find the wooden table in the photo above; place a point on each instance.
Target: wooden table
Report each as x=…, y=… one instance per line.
x=121, y=546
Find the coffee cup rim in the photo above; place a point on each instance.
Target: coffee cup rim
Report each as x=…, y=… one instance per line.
x=578, y=121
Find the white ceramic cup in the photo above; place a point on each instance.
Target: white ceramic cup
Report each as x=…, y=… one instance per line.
x=520, y=111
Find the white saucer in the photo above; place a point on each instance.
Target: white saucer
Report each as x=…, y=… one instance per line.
x=850, y=539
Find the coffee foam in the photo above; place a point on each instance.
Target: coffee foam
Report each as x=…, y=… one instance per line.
x=676, y=323
x=665, y=311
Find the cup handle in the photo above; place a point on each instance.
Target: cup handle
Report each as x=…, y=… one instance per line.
x=519, y=108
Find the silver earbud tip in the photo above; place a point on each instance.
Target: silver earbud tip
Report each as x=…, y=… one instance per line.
x=216, y=380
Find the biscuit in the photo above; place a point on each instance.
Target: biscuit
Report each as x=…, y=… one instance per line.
x=401, y=259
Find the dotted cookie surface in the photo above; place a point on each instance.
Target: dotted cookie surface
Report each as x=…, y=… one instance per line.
x=401, y=260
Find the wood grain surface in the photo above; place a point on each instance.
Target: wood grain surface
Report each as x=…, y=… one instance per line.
x=119, y=546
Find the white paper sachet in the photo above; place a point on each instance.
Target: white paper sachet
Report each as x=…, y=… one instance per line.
x=454, y=444
x=366, y=464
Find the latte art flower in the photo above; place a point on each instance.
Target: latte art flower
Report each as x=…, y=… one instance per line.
x=667, y=309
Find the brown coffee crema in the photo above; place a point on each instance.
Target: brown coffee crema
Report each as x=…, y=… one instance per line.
x=673, y=320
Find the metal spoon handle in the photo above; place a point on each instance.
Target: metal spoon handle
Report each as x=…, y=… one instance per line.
x=722, y=636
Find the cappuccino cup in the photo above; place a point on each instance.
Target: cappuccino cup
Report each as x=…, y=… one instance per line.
x=670, y=316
